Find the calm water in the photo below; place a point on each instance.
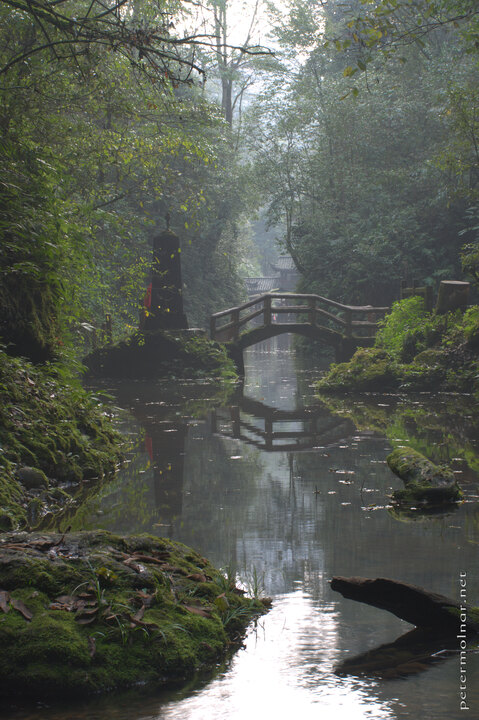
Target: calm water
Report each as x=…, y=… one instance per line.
x=288, y=494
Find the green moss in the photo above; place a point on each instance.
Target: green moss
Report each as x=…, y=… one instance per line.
x=49, y=423
x=415, y=350
x=12, y=514
x=369, y=369
x=411, y=466
x=151, y=613
x=426, y=483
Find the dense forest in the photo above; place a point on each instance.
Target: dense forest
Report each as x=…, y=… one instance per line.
x=352, y=126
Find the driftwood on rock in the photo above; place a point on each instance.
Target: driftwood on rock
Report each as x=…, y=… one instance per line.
x=425, y=482
x=414, y=604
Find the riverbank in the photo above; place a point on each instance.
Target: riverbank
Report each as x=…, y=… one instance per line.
x=415, y=350
x=55, y=437
x=91, y=612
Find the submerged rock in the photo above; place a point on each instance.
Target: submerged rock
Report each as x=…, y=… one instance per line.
x=425, y=482
x=91, y=612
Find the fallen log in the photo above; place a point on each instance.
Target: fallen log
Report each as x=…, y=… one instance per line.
x=420, y=607
x=425, y=482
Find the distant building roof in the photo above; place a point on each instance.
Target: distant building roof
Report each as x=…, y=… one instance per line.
x=260, y=285
x=285, y=262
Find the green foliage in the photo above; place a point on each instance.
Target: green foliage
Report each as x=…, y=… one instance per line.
x=372, y=187
x=470, y=326
x=407, y=329
x=388, y=27
x=95, y=152
x=30, y=251
x=358, y=183
x=415, y=350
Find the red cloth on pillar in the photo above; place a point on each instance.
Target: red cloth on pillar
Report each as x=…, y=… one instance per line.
x=147, y=298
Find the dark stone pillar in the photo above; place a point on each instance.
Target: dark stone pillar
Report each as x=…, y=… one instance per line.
x=453, y=295
x=166, y=310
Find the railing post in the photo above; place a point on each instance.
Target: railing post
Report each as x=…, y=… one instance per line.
x=235, y=420
x=268, y=433
x=349, y=323
x=312, y=311
x=213, y=328
x=267, y=310
x=235, y=316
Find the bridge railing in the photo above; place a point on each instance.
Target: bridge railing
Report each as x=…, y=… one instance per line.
x=348, y=320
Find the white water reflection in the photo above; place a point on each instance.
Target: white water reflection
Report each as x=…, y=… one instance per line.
x=284, y=672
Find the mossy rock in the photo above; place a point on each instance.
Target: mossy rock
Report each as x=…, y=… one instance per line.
x=414, y=351
x=432, y=357
x=32, y=478
x=425, y=482
x=370, y=369
x=93, y=612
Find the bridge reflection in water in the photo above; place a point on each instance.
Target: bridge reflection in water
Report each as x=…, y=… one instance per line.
x=275, y=430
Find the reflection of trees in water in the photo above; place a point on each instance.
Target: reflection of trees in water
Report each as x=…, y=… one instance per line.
x=444, y=428
x=220, y=483
x=123, y=505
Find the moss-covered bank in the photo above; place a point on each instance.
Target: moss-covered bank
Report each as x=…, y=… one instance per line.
x=53, y=436
x=415, y=350
x=174, y=353
x=91, y=612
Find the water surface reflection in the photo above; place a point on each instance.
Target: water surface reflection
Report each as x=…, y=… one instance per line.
x=289, y=493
